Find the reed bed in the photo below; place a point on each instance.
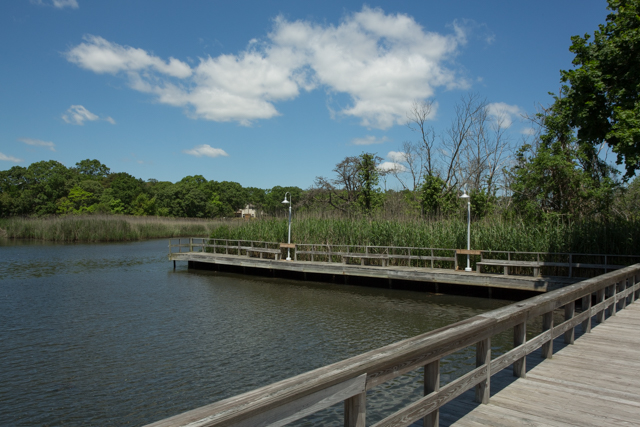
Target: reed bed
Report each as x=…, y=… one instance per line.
x=105, y=228
x=616, y=237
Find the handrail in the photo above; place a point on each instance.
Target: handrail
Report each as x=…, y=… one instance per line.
x=328, y=252
x=348, y=380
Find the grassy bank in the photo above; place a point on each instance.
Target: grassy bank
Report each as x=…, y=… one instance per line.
x=104, y=228
x=620, y=237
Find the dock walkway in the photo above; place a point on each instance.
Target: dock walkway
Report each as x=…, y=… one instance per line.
x=594, y=382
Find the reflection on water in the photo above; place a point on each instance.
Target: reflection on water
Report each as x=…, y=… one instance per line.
x=109, y=334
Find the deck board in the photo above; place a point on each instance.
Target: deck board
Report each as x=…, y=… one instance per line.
x=594, y=382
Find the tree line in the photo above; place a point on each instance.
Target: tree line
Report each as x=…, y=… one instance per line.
x=50, y=188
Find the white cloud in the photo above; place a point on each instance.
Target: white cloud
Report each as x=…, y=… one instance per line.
x=77, y=115
x=397, y=156
x=205, y=150
x=6, y=158
x=382, y=62
x=528, y=131
x=58, y=4
x=38, y=143
x=61, y=4
x=504, y=113
x=369, y=140
x=391, y=167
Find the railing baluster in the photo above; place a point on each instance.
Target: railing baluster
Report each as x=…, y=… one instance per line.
x=483, y=356
x=600, y=297
x=431, y=384
x=569, y=310
x=355, y=410
x=547, y=324
x=519, y=338
x=586, y=306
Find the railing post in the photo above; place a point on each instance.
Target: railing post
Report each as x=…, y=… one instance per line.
x=586, y=306
x=519, y=338
x=355, y=410
x=600, y=297
x=570, y=264
x=569, y=310
x=547, y=325
x=190, y=244
x=614, y=294
x=483, y=356
x=431, y=384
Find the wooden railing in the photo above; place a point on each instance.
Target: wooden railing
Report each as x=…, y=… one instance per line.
x=348, y=381
x=553, y=263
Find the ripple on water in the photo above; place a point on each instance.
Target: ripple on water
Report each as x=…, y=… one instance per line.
x=109, y=334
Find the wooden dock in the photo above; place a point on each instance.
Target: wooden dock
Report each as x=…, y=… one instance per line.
x=434, y=266
x=595, y=382
x=535, y=383
x=390, y=274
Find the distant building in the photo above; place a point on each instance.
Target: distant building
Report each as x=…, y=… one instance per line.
x=248, y=212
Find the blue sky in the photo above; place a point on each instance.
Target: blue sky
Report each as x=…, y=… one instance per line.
x=264, y=93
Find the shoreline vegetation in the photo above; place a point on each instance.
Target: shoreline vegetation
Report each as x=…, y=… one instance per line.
x=621, y=237
x=105, y=228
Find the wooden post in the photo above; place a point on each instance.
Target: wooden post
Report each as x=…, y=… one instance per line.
x=586, y=306
x=519, y=338
x=613, y=292
x=624, y=285
x=570, y=264
x=431, y=384
x=483, y=356
x=355, y=410
x=569, y=310
x=600, y=317
x=190, y=244
x=547, y=324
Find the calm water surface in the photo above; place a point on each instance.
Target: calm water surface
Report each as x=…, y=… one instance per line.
x=110, y=334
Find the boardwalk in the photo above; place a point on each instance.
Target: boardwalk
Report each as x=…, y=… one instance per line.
x=594, y=382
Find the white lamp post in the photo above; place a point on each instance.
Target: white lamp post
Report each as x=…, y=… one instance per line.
x=466, y=196
x=289, y=242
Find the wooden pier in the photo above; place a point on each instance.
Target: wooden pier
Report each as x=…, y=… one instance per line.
x=392, y=264
x=595, y=383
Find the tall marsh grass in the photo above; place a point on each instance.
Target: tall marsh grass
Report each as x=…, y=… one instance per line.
x=618, y=237
x=104, y=228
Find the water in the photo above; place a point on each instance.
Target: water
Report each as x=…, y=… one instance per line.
x=110, y=334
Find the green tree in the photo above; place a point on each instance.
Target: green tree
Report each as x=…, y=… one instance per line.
x=601, y=95
x=437, y=198
x=125, y=188
x=92, y=169
x=558, y=176
x=369, y=196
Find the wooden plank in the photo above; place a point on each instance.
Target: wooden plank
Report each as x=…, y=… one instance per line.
x=468, y=252
x=288, y=245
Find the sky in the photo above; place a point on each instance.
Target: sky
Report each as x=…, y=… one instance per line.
x=265, y=93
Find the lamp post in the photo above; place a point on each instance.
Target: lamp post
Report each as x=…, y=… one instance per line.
x=466, y=196
x=285, y=201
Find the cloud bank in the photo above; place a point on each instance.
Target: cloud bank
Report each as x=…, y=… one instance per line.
x=58, y=4
x=38, y=143
x=4, y=157
x=77, y=115
x=382, y=62
x=206, y=150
